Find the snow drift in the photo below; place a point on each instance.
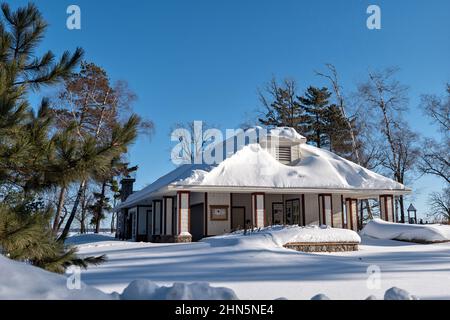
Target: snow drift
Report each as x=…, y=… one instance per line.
x=19, y=280
x=148, y=290
x=277, y=236
x=381, y=229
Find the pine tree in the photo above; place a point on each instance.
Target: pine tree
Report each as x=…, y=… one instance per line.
x=315, y=104
x=98, y=158
x=337, y=131
x=95, y=108
x=282, y=107
x=31, y=157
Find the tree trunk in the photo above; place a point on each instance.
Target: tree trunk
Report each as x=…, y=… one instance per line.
x=63, y=218
x=66, y=230
x=100, y=208
x=402, y=210
x=62, y=194
x=113, y=222
x=83, y=220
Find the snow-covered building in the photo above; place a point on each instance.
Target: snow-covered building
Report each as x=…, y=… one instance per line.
x=278, y=180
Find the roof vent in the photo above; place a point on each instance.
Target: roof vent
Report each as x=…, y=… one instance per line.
x=284, y=154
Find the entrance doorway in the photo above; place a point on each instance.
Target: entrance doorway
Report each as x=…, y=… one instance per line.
x=237, y=218
x=294, y=212
x=197, y=222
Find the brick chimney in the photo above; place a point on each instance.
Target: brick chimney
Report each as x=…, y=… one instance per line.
x=127, y=188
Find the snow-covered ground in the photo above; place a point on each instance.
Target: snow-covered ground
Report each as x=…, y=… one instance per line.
x=257, y=267
x=19, y=280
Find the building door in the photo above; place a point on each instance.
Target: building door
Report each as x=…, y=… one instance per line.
x=237, y=218
x=277, y=213
x=197, y=223
x=293, y=212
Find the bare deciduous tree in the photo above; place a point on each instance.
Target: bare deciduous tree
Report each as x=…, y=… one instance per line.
x=387, y=98
x=440, y=205
x=333, y=78
x=435, y=158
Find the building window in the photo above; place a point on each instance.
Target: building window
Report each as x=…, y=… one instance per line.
x=284, y=154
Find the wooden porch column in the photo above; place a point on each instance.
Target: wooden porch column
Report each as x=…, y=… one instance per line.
x=184, y=217
x=351, y=206
x=258, y=209
x=387, y=207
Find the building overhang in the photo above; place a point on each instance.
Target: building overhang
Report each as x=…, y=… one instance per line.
x=351, y=192
x=252, y=189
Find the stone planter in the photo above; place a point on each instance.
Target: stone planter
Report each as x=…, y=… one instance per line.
x=322, y=246
x=171, y=239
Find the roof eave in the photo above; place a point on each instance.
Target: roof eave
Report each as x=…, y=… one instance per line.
x=206, y=188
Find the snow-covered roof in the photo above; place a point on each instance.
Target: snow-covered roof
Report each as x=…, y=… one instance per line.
x=284, y=134
x=254, y=167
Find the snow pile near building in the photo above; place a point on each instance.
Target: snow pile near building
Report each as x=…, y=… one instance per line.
x=395, y=293
x=380, y=229
x=148, y=290
x=19, y=280
x=277, y=236
x=325, y=234
x=253, y=166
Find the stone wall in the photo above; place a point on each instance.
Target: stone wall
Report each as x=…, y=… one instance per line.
x=322, y=246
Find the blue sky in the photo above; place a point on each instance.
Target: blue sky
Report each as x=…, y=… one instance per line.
x=204, y=59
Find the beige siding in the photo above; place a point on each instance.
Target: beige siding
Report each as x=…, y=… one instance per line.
x=142, y=225
x=337, y=211
x=168, y=213
x=218, y=227
x=311, y=209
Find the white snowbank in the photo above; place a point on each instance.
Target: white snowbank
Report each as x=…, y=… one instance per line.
x=395, y=293
x=320, y=296
x=148, y=290
x=19, y=280
x=381, y=229
x=325, y=234
x=277, y=236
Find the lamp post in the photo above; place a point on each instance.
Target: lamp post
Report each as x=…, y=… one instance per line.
x=412, y=210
